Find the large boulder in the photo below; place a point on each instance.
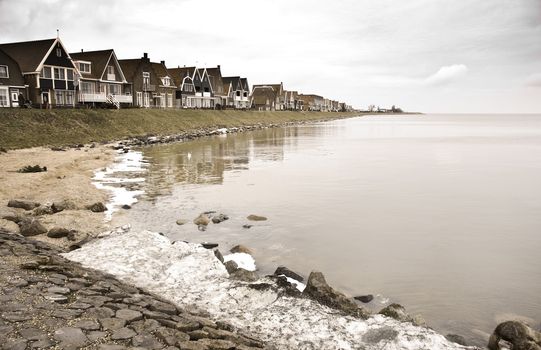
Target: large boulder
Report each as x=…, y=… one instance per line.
x=97, y=207
x=202, y=220
x=31, y=227
x=318, y=289
x=240, y=249
x=518, y=333
x=11, y=215
x=396, y=311
x=244, y=275
x=253, y=217
x=23, y=204
x=44, y=209
x=62, y=205
x=58, y=232
x=282, y=270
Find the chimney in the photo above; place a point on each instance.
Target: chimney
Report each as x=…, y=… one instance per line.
x=162, y=62
x=145, y=57
x=81, y=50
x=218, y=66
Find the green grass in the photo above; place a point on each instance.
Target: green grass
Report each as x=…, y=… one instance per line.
x=22, y=128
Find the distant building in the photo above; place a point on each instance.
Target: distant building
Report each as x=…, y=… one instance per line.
x=102, y=80
x=312, y=102
x=238, y=92
x=153, y=86
x=218, y=93
x=47, y=69
x=292, y=101
x=12, y=84
x=184, y=80
x=273, y=92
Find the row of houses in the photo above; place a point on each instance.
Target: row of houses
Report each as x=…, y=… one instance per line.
x=45, y=74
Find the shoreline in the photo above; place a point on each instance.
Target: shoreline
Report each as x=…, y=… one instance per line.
x=121, y=147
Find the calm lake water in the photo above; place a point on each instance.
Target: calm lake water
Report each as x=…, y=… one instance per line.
x=440, y=213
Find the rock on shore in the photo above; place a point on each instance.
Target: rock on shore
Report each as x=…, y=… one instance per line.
x=192, y=276
x=48, y=302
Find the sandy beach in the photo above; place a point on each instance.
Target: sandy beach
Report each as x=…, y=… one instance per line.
x=68, y=178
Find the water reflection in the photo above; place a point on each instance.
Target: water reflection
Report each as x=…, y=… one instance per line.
x=206, y=160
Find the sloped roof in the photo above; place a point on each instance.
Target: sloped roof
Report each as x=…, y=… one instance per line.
x=262, y=94
x=244, y=82
x=276, y=87
x=15, y=77
x=215, y=77
x=234, y=81
x=129, y=67
x=178, y=74
x=28, y=54
x=99, y=60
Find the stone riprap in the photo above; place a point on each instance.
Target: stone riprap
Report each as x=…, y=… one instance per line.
x=193, y=277
x=48, y=302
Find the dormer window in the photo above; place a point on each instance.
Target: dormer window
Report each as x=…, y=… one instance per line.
x=58, y=52
x=4, y=72
x=146, y=78
x=166, y=81
x=84, y=67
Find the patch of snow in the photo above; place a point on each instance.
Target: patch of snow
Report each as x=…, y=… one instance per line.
x=113, y=177
x=191, y=276
x=243, y=260
x=299, y=285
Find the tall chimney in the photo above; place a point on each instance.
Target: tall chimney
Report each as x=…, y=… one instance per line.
x=145, y=55
x=162, y=62
x=81, y=50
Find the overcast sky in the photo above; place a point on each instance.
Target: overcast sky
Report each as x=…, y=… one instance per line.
x=422, y=55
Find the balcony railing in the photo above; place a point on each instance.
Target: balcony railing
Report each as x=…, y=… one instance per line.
x=149, y=87
x=102, y=97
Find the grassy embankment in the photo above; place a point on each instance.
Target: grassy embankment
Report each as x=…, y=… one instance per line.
x=22, y=128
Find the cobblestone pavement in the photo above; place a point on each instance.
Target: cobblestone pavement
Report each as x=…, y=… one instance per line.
x=48, y=302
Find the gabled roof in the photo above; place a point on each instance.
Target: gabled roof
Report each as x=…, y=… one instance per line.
x=178, y=74
x=15, y=77
x=234, y=81
x=129, y=67
x=215, y=78
x=262, y=94
x=29, y=54
x=99, y=60
x=244, y=83
x=278, y=88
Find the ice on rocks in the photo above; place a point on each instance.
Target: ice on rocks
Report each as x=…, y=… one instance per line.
x=111, y=179
x=243, y=260
x=191, y=276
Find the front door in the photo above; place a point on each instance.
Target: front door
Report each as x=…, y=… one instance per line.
x=15, y=98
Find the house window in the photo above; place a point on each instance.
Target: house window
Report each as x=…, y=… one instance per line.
x=238, y=93
x=146, y=102
x=139, y=98
x=46, y=72
x=59, y=96
x=110, y=70
x=169, y=100
x=4, y=97
x=84, y=67
x=70, y=74
x=146, y=78
x=59, y=74
x=166, y=81
x=69, y=97
x=86, y=87
x=114, y=89
x=58, y=52
x=4, y=73
x=162, y=100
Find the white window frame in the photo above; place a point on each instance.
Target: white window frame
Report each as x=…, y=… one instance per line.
x=4, y=103
x=170, y=100
x=110, y=69
x=59, y=101
x=47, y=69
x=7, y=71
x=68, y=71
x=162, y=100
x=61, y=73
x=84, y=65
x=146, y=99
x=90, y=85
x=166, y=81
x=146, y=78
x=139, y=98
x=58, y=52
x=68, y=97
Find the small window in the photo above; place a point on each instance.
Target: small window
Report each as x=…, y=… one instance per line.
x=166, y=81
x=70, y=74
x=110, y=70
x=46, y=72
x=58, y=52
x=4, y=73
x=84, y=67
x=59, y=74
